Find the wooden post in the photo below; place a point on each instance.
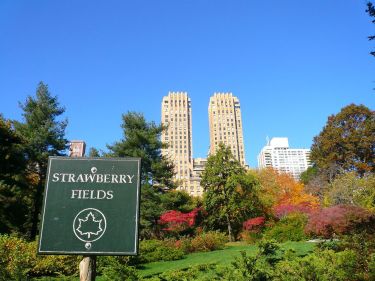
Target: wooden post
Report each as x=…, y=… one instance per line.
x=87, y=266
x=87, y=269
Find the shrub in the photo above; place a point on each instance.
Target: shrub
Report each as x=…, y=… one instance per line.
x=17, y=257
x=176, y=221
x=117, y=270
x=252, y=229
x=371, y=267
x=286, y=209
x=208, y=241
x=322, y=265
x=250, y=237
x=55, y=265
x=18, y=260
x=259, y=267
x=254, y=224
x=340, y=219
x=290, y=227
x=158, y=250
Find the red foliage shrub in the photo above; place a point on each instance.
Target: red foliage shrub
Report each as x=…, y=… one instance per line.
x=178, y=221
x=285, y=209
x=340, y=219
x=254, y=223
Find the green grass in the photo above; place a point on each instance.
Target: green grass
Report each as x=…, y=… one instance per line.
x=220, y=257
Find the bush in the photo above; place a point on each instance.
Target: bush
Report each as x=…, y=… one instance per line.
x=55, y=265
x=286, y=209
x=116, y=269
x=259, y=267
x=371, y=267
x=340, y=219
x=322, y=265
x=289, y=228
x=17, y=257
x=208, y=241
x=250, y=237
x=158, y=250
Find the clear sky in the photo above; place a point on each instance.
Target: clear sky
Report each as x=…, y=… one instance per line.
x=291, y=63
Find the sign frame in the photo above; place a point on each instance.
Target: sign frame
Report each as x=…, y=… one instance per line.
x=41, y=251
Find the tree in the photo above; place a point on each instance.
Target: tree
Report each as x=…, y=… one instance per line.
x=349, y=189
x=44, y=136
x=179, y=201
x=93, y=152
x=14, y=191
x=371, y=11
x=347, y=142
x=230, y=195
x=281, y=189
x=142, y=139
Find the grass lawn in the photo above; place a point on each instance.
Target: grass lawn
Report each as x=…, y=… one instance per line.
x=222, y=257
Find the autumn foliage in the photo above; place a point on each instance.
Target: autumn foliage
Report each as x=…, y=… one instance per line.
x=280, y=191
x=254, y=223
x=340, y=219
x=286, y=209
x=176, y=221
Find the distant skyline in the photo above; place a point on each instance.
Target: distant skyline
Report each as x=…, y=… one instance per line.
x=290, y=64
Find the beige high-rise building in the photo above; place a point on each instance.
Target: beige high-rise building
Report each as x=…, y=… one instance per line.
x=224, y=114
x=176, y=114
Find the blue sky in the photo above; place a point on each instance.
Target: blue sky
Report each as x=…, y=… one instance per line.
x=291, y=63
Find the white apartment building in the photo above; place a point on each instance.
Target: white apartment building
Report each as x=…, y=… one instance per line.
x=278, y=155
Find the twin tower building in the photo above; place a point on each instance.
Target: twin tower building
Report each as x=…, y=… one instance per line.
x=225, y=123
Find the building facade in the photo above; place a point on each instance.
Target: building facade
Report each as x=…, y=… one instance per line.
x=224, y=114
x=278, y=155
x=195, y=180
x=176, y=115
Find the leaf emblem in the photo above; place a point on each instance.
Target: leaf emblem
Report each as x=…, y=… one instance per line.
x=89, y=226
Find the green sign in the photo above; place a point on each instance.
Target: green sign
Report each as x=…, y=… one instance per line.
x=91, y=206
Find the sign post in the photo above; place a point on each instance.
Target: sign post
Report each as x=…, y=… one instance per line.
x=91, y=207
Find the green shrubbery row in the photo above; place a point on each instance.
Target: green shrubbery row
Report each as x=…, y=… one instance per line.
x=18, y=258
x=339, y=261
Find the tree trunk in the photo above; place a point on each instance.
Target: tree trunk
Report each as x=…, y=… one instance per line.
x=87, y=269
x=36, y=209
x=229, y=229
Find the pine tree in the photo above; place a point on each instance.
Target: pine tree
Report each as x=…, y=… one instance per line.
x=14, y=191
x=44, y=136
x=142, y=139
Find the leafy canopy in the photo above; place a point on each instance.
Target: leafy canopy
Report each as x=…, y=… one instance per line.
x=347, y=141
x=230, y=196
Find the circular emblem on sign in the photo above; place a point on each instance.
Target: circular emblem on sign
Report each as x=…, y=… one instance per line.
x=89, y=225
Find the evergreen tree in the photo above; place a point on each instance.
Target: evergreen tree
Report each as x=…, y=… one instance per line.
x=44, y=136
x=142, y=139
x=14, y=191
